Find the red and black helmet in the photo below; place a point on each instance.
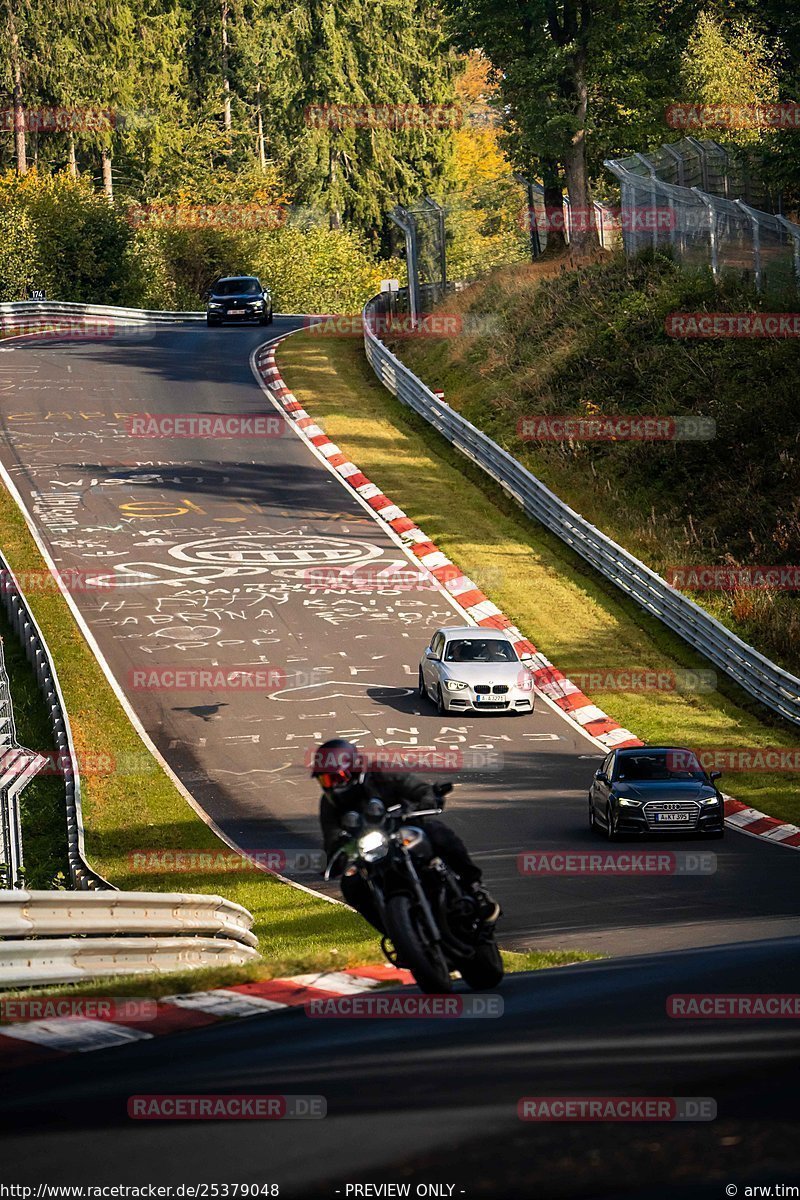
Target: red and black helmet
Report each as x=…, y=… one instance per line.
x=337, y=764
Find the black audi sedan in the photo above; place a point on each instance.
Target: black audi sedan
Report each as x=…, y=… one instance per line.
x=238, y=298
x=655, y=789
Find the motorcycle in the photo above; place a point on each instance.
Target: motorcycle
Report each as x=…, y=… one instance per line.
x=431, y=920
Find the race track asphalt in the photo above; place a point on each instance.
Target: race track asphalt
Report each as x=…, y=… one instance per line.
x=206, y=545
x=424, y=1101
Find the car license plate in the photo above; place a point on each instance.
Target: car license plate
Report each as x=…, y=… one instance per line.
x=674, y=817
x=235, y=312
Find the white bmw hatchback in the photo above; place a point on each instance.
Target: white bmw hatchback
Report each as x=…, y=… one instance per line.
x=475, y=669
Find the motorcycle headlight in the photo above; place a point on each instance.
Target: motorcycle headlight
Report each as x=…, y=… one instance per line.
x=453, y=685
x=373, y=845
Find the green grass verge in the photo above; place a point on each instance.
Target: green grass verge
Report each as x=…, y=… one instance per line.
x=591, y=341
x=582, y=623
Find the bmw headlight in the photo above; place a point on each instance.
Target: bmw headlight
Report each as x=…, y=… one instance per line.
x=256, y=303
x=373, y=845
x=453, y=685
x=214, y=304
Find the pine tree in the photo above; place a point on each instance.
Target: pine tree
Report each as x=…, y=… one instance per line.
x=360, y=57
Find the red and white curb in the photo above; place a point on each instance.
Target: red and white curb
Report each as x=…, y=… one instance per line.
x=464, y=592
x=551, y=682
x=757, y=824
x=25, y=1043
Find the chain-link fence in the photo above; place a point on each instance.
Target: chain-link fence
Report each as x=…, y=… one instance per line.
x=425, y=236
x=550, y=220
x=734, y=174
x=684, y=196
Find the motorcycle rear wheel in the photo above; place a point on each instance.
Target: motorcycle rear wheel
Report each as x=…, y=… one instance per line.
x=426, y=963
x=485, y=969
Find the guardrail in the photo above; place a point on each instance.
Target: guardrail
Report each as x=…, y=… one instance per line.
x=33, y=643
x=774, y=687
x=69, y=960
x=152, y=932
x=13, y=314
x=52, y=914
x=18, y=766
x=59, y=308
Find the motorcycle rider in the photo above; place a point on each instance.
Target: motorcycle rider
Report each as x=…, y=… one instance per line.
x=347, y=786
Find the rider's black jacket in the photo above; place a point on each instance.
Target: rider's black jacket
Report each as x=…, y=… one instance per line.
x=409, y=790
x=414, y=794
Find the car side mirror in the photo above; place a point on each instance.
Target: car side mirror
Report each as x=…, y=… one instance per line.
x=715, y=775
x=601, y=776
x=430, y=654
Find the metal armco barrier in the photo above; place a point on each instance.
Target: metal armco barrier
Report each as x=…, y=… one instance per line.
x=154, y=932
x=68, y=960
x=18, y=766
x=20, y=313
x=52, y=914
x=16, y=312
x=764, y=680
x=32, y=641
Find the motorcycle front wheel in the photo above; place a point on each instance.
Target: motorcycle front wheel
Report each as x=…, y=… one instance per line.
x=426, y=963
x=484, y=970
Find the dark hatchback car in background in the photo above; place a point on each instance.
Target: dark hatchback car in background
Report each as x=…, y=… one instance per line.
x=238, y=298
x=655, y=789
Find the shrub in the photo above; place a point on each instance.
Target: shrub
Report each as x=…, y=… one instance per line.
x=20, y=266
x=81, y=241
